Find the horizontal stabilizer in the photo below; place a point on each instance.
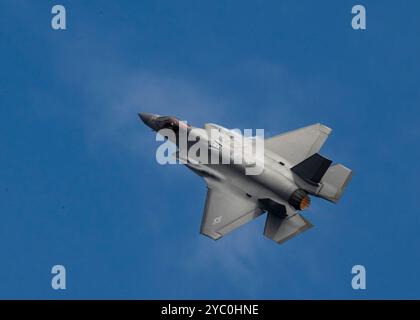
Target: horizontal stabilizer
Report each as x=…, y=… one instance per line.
x=334, y=182
x=281, y=229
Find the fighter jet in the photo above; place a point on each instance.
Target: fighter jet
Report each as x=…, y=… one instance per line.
x=292, y=171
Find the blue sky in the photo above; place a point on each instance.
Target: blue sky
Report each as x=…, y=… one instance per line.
x=79, y=184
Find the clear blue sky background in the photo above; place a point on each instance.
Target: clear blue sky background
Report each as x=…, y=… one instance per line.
x=79, y=184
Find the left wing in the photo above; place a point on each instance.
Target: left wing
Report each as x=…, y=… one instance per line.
x=226, y=210
x=297, y=145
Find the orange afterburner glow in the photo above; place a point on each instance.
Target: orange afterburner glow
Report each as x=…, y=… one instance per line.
x=306, y=201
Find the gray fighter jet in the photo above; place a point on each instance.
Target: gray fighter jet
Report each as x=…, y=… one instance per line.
x=293, y=170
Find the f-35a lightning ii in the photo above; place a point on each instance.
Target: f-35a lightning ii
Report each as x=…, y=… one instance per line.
x=293, y=170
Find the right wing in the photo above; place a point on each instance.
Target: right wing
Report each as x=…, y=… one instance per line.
x=297, y=145
x=226, y=210
x=280, y=228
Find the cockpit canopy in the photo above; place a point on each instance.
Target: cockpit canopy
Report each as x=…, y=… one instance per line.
x=172, y=123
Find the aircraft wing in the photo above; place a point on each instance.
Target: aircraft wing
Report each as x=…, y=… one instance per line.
x=225, y=210
x=297, y=145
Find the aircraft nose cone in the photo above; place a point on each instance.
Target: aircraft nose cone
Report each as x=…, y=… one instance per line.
x=146, y=117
